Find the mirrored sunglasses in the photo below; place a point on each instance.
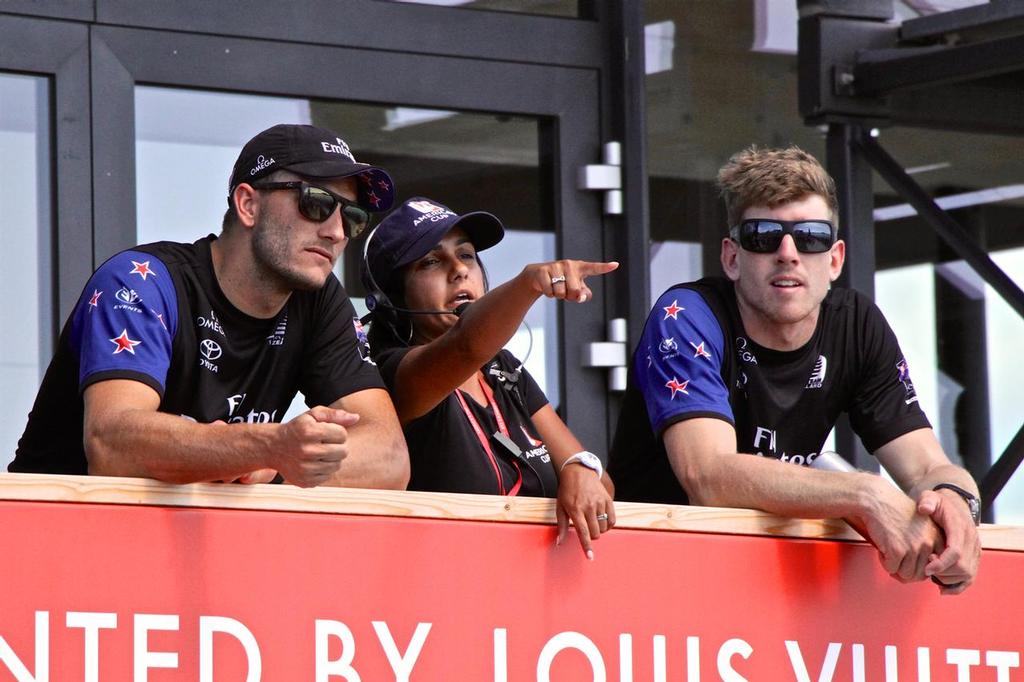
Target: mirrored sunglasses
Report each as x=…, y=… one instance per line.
x=318, y=204
x=761, y=235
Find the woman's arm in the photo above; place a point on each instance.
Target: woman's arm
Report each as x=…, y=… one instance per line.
x=429, y=372
x=582, y=496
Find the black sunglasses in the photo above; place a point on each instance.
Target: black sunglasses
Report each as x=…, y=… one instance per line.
x=318, y=204
x=762, y=235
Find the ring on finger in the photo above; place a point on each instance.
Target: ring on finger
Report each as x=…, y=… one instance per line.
x=602, y=517
x=557, y=279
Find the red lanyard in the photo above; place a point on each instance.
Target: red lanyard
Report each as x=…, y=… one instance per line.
x=485, y=442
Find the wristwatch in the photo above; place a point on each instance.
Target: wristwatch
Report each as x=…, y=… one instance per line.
x=973, y=503
x=587, y=459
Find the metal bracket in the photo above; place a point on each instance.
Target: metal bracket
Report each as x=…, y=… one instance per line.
x=605, y=177
x=610, y=354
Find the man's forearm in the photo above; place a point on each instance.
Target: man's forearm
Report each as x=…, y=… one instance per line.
x=917, y=463
x=750, y=481
x=175, y=450
x=704, y=458
x=947, y=473
x=378, y=457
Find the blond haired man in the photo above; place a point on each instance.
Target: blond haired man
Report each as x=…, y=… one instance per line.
x=763, y=362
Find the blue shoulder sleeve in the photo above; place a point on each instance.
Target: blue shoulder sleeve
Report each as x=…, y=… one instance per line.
x=678, y=362
x=124, y=323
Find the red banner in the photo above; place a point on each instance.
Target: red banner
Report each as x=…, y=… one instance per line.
x=104, y=592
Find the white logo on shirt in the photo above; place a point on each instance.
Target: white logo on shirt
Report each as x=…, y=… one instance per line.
x=741, y=349
x=763, y=434
x=277, y=337
x=211, y=322
x=818, y=374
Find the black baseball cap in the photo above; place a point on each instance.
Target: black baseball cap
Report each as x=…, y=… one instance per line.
x=311, y=152
x=413, y=229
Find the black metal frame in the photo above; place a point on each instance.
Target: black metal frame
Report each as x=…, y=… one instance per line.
x=59, y=50
x=554, y=68
x=627, y=236
x=959, y=70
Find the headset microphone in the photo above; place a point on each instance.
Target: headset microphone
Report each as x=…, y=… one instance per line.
x=378, y=301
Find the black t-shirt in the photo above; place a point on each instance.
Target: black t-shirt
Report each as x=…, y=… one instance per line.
x=695, y=360
x=157, y=315
x=444, y=452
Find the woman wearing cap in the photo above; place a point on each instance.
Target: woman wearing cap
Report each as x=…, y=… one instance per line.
x=474, y=418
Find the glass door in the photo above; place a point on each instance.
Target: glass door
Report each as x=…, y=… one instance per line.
x=171, y=110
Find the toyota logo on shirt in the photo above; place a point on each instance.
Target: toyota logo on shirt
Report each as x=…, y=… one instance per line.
x=210, y=349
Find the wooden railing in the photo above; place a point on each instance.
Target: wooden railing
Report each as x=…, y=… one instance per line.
x=118, y=579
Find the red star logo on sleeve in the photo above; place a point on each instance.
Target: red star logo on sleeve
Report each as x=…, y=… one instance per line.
x=699, y=351
x=124, y=343
x=95, y=300
x=373, y=198
x=677, y=387
x=672, y=310
x=141, y=269
x=383, y=184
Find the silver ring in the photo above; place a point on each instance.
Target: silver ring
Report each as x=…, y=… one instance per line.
x=602, y=517
x=556, y=280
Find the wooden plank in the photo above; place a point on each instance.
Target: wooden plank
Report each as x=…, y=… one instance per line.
x=654, y=517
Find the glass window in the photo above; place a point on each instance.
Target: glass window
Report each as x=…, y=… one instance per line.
x=564, y=8
x=187, y=142
x=959, y=333
x=673, y=262
x=26, y=258
x=709, y=95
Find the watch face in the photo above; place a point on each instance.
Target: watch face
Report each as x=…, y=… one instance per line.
x=975, y=510
x=589, y=460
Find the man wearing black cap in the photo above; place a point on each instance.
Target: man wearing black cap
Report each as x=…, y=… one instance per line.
x=179, y=360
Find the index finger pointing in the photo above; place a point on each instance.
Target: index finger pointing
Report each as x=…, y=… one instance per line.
x=588, y=268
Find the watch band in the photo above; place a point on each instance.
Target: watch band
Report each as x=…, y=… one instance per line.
x=587, y=459
x=973, y=503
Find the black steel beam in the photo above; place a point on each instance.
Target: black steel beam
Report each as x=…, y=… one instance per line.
x=828, y=48
x=948, y=229
x=628, y=236
x=998, y=16
x=881, y=71
x=996, y=478
x=374, y=25
x=852, y=175
x=980, y=107
x=855, y=195
x=832, y=44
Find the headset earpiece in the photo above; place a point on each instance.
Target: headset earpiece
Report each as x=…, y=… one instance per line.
x=381, y=308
